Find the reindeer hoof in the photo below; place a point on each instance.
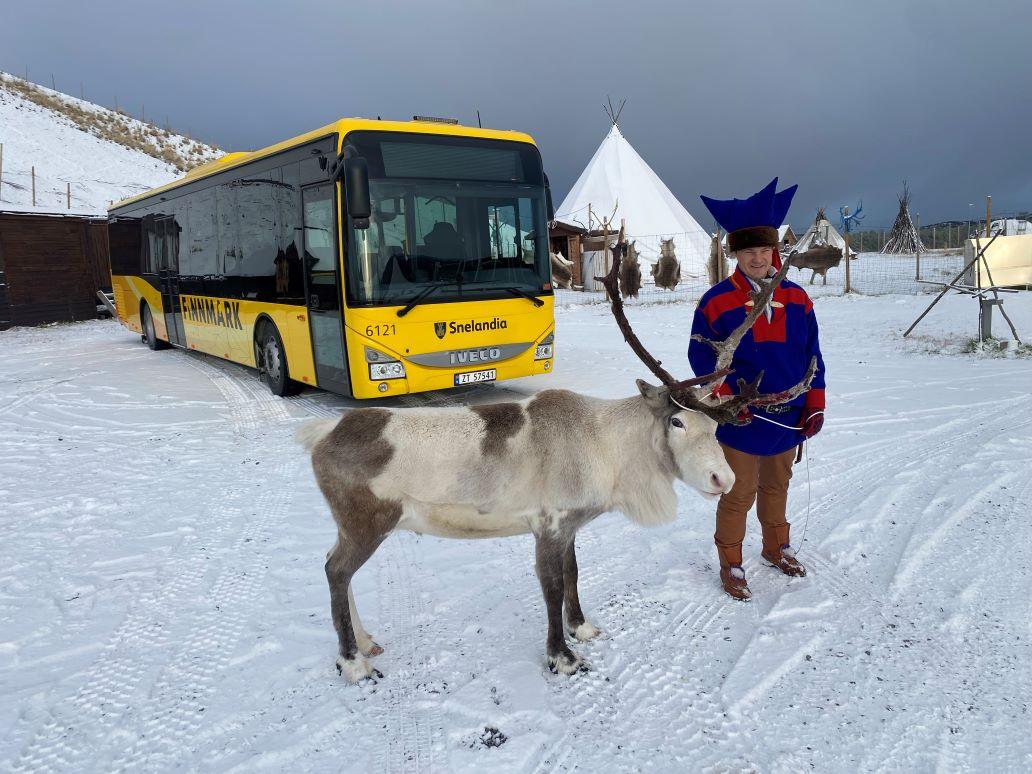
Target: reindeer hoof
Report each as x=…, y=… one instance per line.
x=355, y=669
x=585, y=632
x=566, y=664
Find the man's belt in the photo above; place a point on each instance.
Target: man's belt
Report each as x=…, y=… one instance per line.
x=778, y=409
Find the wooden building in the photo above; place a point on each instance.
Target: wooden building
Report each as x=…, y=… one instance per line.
x=568, y=239
x=51, y=267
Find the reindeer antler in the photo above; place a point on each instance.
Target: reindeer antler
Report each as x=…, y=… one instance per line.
x=688, y=392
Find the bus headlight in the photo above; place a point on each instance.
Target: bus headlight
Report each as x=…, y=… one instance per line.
x=543, y=351
x=382, y=366
x=380, y=371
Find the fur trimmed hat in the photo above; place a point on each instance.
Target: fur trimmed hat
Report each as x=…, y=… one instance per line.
x=752, y=222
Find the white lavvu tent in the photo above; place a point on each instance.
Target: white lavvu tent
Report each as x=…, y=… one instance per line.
x=618, y=179
x=820, y=233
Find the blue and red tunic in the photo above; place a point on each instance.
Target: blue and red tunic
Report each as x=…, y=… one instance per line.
x=780, y=347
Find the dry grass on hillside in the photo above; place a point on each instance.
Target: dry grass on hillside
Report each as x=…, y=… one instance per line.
x=117, y=127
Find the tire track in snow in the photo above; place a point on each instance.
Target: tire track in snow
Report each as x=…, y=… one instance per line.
x=702, y=615
x=171, y=717
x=666, y=713
x=413, y=732
x=69, y=739
x=869, y=606
x=66, y=741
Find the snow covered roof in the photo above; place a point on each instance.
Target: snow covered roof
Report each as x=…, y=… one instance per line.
x=617, y=178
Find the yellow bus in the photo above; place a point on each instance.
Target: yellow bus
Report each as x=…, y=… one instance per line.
x=367, y=258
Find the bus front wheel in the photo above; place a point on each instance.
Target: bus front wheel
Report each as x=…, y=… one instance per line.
x=272, y=362
x=150, y=337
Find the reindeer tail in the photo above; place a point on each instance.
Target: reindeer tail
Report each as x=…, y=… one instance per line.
x=310, y=433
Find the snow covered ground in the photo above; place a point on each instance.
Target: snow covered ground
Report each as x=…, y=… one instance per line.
x=163, y=604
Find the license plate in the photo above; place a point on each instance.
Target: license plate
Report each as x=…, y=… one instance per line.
x=474, y=377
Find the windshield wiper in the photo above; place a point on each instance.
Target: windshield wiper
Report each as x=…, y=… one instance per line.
x=416, y=299
x=524, y=294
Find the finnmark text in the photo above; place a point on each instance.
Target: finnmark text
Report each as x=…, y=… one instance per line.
x=212, y=311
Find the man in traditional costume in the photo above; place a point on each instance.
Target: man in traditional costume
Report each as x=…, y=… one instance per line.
x=781, y=344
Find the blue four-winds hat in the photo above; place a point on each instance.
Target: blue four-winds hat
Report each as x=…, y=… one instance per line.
x=752, y=222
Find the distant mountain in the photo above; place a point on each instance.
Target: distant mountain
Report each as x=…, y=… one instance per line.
x=103, y=154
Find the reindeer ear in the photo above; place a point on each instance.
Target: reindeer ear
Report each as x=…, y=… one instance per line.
x=655, y=397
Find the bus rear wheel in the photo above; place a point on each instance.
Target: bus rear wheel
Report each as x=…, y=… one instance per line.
x=150, y=337
x=272, y=362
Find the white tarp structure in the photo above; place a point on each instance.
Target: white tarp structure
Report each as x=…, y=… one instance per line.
x=617, y=178
x=820, y=233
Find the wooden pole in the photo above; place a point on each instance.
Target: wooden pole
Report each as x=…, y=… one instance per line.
x=605, y=248
x=845, y=253
x=917, y=250
x=34, y=186
x=68, y=196
x=988, y=214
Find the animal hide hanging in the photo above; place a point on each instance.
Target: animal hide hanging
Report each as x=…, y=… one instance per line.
x=562, y=271
x=666, y=271
x=716, y=266
x=630, y=270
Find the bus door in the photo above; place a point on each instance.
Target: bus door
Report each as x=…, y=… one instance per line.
x=167, y=233
x=322, y=287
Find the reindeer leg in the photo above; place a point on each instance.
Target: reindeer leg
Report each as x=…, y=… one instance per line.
x=576, y=625
x=550, y=549
x=362, y=637
x=341, y=565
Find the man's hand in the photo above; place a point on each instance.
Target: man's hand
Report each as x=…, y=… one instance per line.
x=812, y=420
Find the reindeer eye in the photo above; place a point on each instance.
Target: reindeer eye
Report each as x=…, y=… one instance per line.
x=676, y=422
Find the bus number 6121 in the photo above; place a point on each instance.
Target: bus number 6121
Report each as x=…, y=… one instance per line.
x=387, y=329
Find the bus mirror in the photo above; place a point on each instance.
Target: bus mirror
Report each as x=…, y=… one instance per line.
x=548, y=200
x=356, y=190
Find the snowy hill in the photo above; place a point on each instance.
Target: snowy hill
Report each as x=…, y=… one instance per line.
x=104, y=155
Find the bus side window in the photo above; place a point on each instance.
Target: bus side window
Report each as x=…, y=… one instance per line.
x=203, y=242
x=289, y=278
x=253, y=274
x=125, y=250
x=228, y=238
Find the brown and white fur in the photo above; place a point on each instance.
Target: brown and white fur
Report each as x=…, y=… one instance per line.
x=818, y=260
x=666, y=271
x=546, y=465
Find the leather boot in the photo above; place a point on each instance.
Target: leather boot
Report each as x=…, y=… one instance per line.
x=732, y=578
x=778, y=551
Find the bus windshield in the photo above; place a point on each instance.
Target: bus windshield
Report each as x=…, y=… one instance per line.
x=462, y=216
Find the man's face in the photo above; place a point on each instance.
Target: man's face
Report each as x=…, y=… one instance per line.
x=756, y=261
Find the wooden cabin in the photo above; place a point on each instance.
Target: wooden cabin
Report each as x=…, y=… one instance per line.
x=51, y=267
x=568, y=239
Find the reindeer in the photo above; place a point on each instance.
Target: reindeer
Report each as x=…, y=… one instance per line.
x=562, y=272
x=630, y=270
x=500, y=469
x=666, y=271
x=819, y=260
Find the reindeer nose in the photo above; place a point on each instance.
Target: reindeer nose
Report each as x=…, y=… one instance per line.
x=723, y=483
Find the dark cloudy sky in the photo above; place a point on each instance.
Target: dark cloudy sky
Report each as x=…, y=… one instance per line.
x=846, y=99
